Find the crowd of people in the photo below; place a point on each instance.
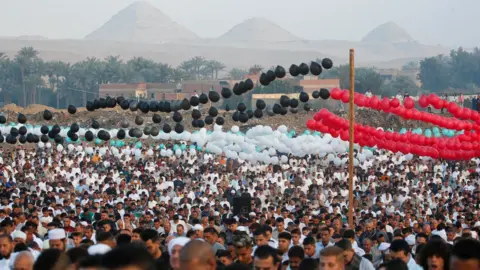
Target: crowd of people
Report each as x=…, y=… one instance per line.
x=71, y=210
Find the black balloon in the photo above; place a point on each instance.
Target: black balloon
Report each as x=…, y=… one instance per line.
x=95, y=124
x=236, y=90
x=121, y=134
x=304, y=97
x=249, y=113
x=125, y=104
x=143, y=106
x=235, y=116
x=241, y=107
x=124, y=124
x=147, y=130
x=11, y=139
x=213, y=112
x=293, y=103
x=137, y=133
x=203, y=98
x=315, y=94
x=258, y=113
x=280, y=72
x=3, y=119
x=120, y=99
x=271, y=76
x=71, y=109
x=213, y=96
x=283, y=111
x=22, y=139
x=56, y=129
x=284, y=101
x=154, y=131
x=58, y=138
x=185, y=105
x=153, y=106
x=303, y=69
x=14, y=132
x=260, y=104
x=294, y=70
x=196, y=114
x=22, y=130
x=22, y=119
x=44, y=138
x=243, y=117
x=47, y=115
x=51, y=135
x=200, y=123
x=74, y=137
x=74, y=127
x=89, y=136
x=102, y=103
x=307, y=107
x=133, y=106
x=315, y=68
x=209, y=120
x=264, y=80
x=105, y=135
x=177, y=117
x=194, y=101
x=96, y=104
x=219, y=121
x=167, y=107
x=324, y=93
x=30, y=138
x=90, y=106
x=241, y=87
x=293, y=110
x=277, y=109
x=226, y=93
x=2, y=139
x=111, y=102
x=167, y=128
x=249, y=84
x=138, y=120
x=195, y=123
x=227, y=108
x=178, y=128
x=44, y=130
x=156, y=118
x=327, y=63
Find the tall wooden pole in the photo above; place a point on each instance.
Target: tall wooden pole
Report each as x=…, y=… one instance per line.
x=350, y=156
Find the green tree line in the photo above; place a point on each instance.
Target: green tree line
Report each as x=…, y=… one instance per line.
x=460, y=71
x=27, y=79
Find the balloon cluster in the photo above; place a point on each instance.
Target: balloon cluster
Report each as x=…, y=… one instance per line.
x=461, y=147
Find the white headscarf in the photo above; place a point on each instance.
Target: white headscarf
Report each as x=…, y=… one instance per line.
x=179, y=241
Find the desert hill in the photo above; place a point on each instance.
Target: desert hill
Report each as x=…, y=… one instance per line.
x=141, y=22
x=388, y=32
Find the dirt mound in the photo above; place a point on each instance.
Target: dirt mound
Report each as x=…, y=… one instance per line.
x=12, y=108
x=36, y=108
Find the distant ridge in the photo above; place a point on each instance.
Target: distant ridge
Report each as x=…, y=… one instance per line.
x=258, y=29
x=388, y=32
x=141, y=22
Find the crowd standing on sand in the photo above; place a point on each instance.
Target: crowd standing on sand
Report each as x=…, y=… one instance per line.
x=71, y=210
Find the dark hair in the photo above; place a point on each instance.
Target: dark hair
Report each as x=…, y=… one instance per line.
x=149, y=234
x=47, y=259
x=309, y=241
x=211, y=230
x=395, y=264
x=123, y=239
x=400, y=245
x=467, y=249
x=349, y=234
x=128, y=255
x=265, y=252
x=101, y=236
x=77, y=254
x=91, y=261
x=260, y=231
x=438, y=248
x=297, y=252
x=267, y=228
x=20, y=247
x=223, y=253
x=421, y=235
x=344, y=244
x=308, y=264
x=285, y=235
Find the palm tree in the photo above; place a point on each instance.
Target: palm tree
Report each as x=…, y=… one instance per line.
x=34, y=78
x=237, y=74
x=214, y=67
x=7, y=77
x=24, y=58
x=82, y=78
x=113, y=64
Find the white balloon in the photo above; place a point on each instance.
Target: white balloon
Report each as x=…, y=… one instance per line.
x=235, y=129
x=41, y=145
x=59, y=147
x=48, y=145
x=70, y=147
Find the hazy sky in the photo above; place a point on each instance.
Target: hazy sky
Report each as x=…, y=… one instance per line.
x=444, y=22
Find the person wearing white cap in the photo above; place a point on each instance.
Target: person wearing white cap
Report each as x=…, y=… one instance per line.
x=174, y=247
x=198, y=229
x=19, y=237
x=57, y=239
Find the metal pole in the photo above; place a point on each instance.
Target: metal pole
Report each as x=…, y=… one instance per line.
x=350, y=156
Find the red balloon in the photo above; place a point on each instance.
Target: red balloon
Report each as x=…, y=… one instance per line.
x=345, y=96
x=394, y=103
x=385, y=103
x=374, y=102
x=423, y=101
x=311, y=124
x=408, y=103
x=336, y=93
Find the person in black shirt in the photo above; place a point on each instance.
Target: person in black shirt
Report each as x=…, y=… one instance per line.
x=152, y=242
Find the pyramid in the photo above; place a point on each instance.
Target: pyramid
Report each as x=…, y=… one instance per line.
x=388, y=32
x=141, y=22
x=258, y=29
